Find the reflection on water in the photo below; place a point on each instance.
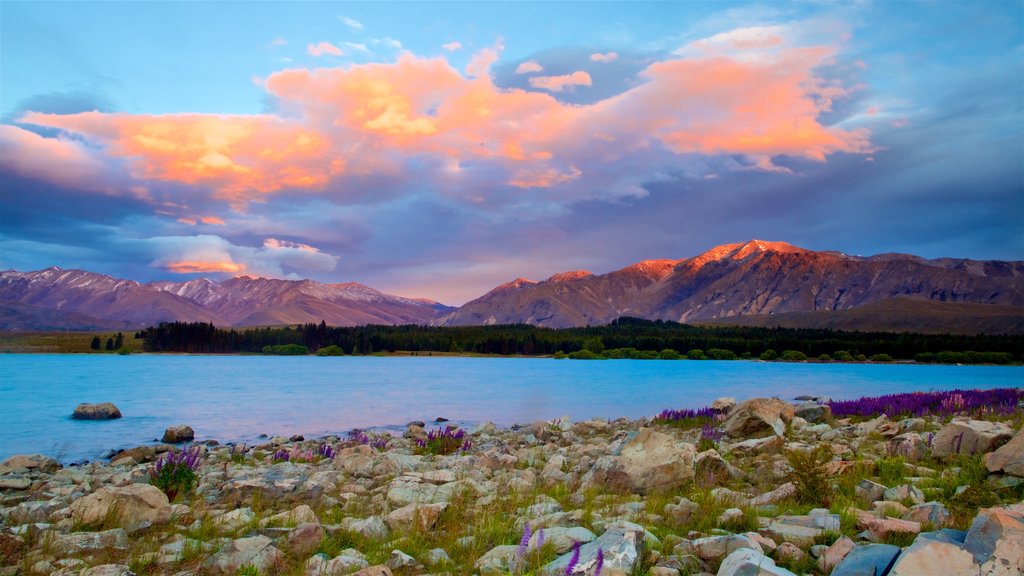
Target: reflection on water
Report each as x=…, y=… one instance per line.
x=237, y=398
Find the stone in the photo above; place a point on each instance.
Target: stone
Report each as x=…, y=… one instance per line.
x=747, y=562
x=909, y=445
x=787, y=490
x=78, y=542
x=813, y=412
x=422, y=516
x=723, y=404
x=561, y=539
x=680, y=512
x=30, y=462
x=136, y=506
x=834, y=554
x=730, y=515
x=932, y=513
x=15, y=482
x=1008, y=458
x=108, y=570
x=181, y=433
x=301, y=514
x=305, y=538
x=789, y=551
x=234, y=520
x=882, y=528
x=801, y=530
x=623, y=550
x=965, y=436
x=404, y=563
x=256, y=551
x=438, y=556
x=869, y=559
x=905, y=492
x=710, y=469
x=648, y=461
x=869, y=491
x=996, y=540
x=497, y=561
x=373, y=527
x=759, y=417
x=926, y=557
x=756, y=445
x=342, y=565
x=715, y=548
x=104, y=411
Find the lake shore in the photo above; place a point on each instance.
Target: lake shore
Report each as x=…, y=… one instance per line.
x=763, y=483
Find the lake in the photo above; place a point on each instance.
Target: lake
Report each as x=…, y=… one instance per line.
x=237, y=398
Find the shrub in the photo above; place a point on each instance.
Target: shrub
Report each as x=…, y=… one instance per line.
x=825, y=358
x=881, y=358
x=124, y=351
x=175, y=473
x=769, y=355
x=560, y=355
x=810, y=476
x=696, y=354
x=720, y=354
x=286, y=350
x=794, y=356
x=843, y=356
x=332, y=350
x=670, y=354
x=444, y=441
x=586, y=355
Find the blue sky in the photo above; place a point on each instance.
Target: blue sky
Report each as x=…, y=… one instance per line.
x=439, y=149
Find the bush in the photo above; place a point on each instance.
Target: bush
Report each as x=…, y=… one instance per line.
x=332, y=350
x=124, y=351
x=175, y=473
x=843, y=356
x=560, y=355
x=586, y=355
x=825, y=358
x=794, y=356
x=696, y=354
x=670, y=354
x=443, y=441
x=810, y=476
x=881, y=358
x=286, y=350
x=769, y=355
x=594, y=344
x=720, y=354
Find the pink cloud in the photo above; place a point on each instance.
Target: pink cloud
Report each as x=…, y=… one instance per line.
x=452, y=46
x=529, y=67
x=323, y=48
x=565, y=82
x=605, y=58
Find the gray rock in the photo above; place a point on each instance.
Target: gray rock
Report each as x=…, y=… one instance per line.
x=996, y=540
x=623, y=549
x=759, y=417
x=869, y=491
x=108, y=570
x=747, y=562
x=1009, y=458
x=497, y=561
x=305, y=538
x=909, y=445
x=136, y=506
x=437, y=557
x=813, y=412
x=647, y=461
x=905, y=492
x=373, y=527
x=15, y=483
x=181, y=433
x=964, y=436
x=869, y=559
x=403, y=562
x=257, y=551
x=715, y=548
x=104, y=411
x=561, y=539
x=933, y=513
x=78, y=542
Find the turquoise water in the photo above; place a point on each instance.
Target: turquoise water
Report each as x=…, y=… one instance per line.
x=237, y=398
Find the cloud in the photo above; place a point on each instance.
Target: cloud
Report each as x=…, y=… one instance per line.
x=452, y=46
x=323, y=48
x=30, y=155
x=528, y=67
x=278, y=42
x=388, y=42
x=605, y=58
x=563, y=82
x=208, y=254
x=351, y=22
x=357, y=46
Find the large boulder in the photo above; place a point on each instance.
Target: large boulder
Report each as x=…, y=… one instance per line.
x=908, y=445
x=104, y=411
x=870, y=559
x=996, y=540
x=29, y=462
x=965, y=436
x=623, y=550
x=648, y=462
x=422, y=516
x=747, y=562
x=759, y=417
x=1009, y=458
x=181, y=433
x=927, y=556
x=134, y=507
x=813, y=412
x=257, y=551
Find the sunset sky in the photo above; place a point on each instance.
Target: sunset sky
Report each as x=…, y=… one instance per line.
x=439, y=149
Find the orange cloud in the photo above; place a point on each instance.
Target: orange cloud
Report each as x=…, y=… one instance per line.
x=605, y=58
x=561, y=83
x=323, y=48
x=211, y=220
x=207, y=267
x=529, y=67
x=452, y=46
x=189, y=221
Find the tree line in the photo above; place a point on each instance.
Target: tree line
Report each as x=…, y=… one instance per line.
x=523, y=339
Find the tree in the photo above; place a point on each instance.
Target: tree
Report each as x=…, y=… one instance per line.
x=119, y=341
x=95, y=345
x=110, y=344
x=595, y=344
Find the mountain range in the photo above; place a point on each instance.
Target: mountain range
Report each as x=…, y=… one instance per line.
x=751, y=283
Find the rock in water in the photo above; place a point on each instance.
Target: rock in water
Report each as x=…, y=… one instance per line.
x=176, y=434
x=104, y=411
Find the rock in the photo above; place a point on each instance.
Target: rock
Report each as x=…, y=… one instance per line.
x=373, y=527
x=789, y=551
x=802, y=530
x=1009, y=458
x=723, y=404
x=235, y=519
x=933, y=513
x=108, y=570
x=301, y=514
x=681, y=511
x=905, y=492
x=78, y=542
x=996, y=540
x=305, y=538
x=105, y=411
x=835, y=553
x=30, y=462
x=926, y=557
x=257, y=551
x=756, y=445
x=438, y=556
x=759, y=417
x=869, y=491
x=710, y=469
x=964, y=436
x=730, y=515
x=497, y=561
x=787, y=490
x=11, y=546
x=746, y=562
x=649, y=461
x=136, y=506
x=404, y=563
x=561, y=539
x=176, y=434
x=881, y=528
x=380, y=570
x=715, y=548
x=623, y=550
x=422, y=516
x=320, y=565
x=869, y=559
x=813, y=412
x=909, y=445
x=15, y=483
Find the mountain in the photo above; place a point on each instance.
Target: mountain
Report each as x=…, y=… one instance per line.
x=80, y=300
x=755, y=278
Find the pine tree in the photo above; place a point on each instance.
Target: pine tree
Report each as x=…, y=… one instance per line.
x=95, y=345
x=119, y=341
x=110, y=344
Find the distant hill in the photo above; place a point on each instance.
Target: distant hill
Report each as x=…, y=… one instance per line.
x=762, y=279
x=16, y=317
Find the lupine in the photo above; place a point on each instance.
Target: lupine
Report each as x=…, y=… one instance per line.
x=524, y=542
x=325, y=451
x=710, y=432
x=571, y=566
x=444, y=441
x=176, y=471
x=281, y=456
x=996, y=401
x=540, y=538
x=600, y=562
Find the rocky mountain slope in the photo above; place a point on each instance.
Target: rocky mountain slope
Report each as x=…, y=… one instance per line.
x=739, y=280
x=85, y=300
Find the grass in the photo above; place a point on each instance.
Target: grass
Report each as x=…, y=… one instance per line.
x=64, y=342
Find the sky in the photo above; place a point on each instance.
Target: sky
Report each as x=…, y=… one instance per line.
x=438, y=150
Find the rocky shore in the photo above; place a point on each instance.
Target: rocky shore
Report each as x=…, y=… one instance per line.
x=764, y=487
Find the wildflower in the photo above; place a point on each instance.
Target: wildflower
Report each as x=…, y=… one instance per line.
x=571, y=567
x=524, y=542
x=540, y=538
x=600, y=562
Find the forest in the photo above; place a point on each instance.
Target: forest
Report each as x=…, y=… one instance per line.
x=622, y=334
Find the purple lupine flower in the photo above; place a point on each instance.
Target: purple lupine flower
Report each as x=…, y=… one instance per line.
x=540, y=538
x=600, y=562
x=571, y=566
x=524, y=542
